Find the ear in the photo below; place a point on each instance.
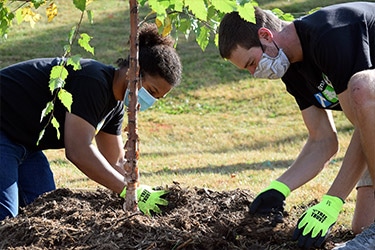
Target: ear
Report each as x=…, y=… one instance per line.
x=265, y=34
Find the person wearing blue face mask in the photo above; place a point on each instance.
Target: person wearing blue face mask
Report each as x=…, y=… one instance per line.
x=327, y=62
x=145, y=99
x=97, y=113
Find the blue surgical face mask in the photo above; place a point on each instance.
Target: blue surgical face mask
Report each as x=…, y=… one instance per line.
x=145, y=99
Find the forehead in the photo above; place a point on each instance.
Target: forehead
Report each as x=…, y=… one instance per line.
x=241, y=56
x=156, y=83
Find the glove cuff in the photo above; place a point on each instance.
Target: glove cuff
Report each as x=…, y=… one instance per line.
x=123, y=193
x=279, y=186
x=333, y=202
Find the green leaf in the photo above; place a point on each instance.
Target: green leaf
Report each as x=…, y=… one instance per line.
x=184, y=27
x=41, y=134
x=55, y=83
x=75, y=62
x=313, y=10
x=67, y=49
x=90, y=16
x=247, y=12
x=83, y=41
x=198, y=8
x=66, y=99
x=56, y=125
x=224, y=6
x=49, y=107
x=178, y=5
x=6, y=17
x=37, y=3
x=71, y=34
x=80, y=4
x=283, y=16
x=142, y=2
x=57, y=77
x=216, y=39
x=59, y=71
x=204, y=37
x=157, y=6
x=19, y=16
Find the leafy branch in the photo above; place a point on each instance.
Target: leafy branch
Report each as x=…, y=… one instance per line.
x=59, y=72
x=201, y=17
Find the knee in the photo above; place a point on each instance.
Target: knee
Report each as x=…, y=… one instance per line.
x=362, y=89
x=357, y=227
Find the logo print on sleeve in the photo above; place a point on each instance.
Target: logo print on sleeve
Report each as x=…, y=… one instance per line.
x=327, y=96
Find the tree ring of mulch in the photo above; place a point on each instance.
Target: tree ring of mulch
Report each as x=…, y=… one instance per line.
x=195, y=218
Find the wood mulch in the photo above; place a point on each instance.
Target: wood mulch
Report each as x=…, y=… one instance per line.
x=195, y=218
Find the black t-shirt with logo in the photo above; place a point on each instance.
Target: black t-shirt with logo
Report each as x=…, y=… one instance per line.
x=24, y=93
x=337, y=42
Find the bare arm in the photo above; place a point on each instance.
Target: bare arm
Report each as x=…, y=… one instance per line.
x=321, y=146
x=352, y=168
x=112, y=148
x=82, y=153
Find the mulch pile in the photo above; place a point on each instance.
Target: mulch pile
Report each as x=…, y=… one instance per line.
x=195, y=218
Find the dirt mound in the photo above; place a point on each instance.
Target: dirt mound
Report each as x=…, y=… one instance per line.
x=194, y=219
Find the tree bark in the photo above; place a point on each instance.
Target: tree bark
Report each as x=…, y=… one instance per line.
x=132, y=144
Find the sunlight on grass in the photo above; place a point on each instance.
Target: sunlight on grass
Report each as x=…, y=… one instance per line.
x=219, y=129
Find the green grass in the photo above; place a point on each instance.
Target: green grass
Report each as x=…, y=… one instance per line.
x=219, y=129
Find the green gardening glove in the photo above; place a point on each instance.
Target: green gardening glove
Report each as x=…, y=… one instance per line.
x=314, y=225
x=148, y=199
x=270, y=199
x=271, y=202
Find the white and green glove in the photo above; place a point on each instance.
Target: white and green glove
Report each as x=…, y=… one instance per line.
x=315, y=224
x=148, y=199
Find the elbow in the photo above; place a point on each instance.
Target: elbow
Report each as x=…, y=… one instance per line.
x=72, y=155
x=334, y=145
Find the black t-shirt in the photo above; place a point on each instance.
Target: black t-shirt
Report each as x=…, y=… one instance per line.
x=337, y=42
x=24, y=93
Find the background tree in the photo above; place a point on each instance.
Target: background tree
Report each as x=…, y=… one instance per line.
x=173, y=17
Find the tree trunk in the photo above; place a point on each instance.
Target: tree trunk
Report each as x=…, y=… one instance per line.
x=132, y=144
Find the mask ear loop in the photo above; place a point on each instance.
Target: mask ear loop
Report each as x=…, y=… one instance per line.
x=140, y=81
x=277, y=47
x=261, y=46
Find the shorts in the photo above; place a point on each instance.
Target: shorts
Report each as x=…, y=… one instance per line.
x=365, y=180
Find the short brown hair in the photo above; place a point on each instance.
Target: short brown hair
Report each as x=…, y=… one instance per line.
x=235, y=31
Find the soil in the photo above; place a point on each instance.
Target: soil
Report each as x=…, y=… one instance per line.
x=195, y=218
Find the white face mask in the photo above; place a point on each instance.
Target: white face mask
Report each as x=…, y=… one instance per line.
x=272, y=67
x=145, y=99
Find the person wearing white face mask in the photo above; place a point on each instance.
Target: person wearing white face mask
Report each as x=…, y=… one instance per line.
x=326, y=60
x=97, y=112
x=272, y=67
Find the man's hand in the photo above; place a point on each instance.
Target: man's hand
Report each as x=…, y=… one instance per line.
x=267, y=202
x=314, y=225
x=148, y=199
x=271, y=199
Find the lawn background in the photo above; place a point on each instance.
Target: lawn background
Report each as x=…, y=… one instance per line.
x=220, y=129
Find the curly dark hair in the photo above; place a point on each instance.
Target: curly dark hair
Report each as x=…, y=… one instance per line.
x=157, y=56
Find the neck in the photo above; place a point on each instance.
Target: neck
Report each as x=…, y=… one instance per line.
x=120, y=83
x=289, y=41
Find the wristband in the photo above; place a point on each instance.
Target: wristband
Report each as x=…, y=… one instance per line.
x=279, y=186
